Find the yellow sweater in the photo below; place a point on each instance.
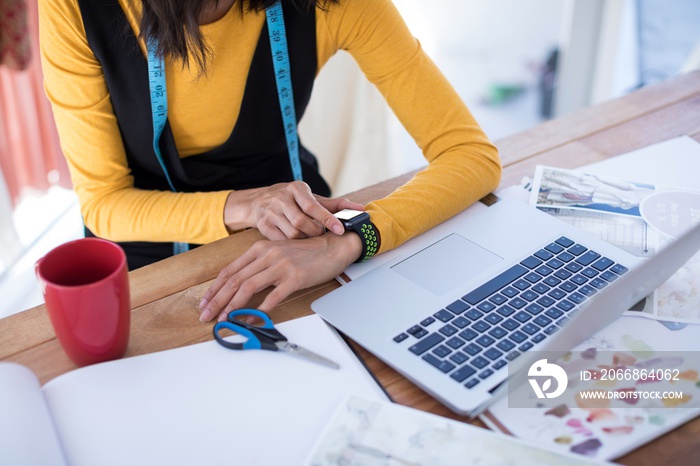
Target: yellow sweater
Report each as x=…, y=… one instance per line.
x=462, y=164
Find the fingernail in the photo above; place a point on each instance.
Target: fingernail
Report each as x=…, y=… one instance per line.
x=338, y=230
x=205, y=315
x=203, y=303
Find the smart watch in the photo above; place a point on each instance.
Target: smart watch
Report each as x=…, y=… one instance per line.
x=359, y=222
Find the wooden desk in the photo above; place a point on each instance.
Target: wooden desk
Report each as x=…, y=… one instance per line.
x=165, y=294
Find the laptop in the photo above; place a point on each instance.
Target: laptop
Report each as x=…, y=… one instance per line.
x=452, y=309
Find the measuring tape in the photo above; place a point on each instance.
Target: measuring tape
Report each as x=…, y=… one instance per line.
x=280, y=62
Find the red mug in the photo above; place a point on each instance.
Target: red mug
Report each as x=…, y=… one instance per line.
x=86, y=288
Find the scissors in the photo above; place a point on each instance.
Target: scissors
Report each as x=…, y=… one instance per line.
x=265, y=337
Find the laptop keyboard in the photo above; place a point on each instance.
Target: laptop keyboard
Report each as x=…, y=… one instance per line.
x=473, y=337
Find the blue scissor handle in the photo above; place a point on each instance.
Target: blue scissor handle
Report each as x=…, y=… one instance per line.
x=258, y=337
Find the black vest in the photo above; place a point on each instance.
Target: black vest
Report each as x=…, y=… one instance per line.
x=255, y=153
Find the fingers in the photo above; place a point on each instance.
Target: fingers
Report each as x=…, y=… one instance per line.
x=311, y=206
x=262, y=266
x=336, y=205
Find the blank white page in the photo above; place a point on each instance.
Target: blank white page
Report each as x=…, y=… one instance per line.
x=205, y=404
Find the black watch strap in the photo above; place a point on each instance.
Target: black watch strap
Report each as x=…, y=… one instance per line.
x=369, y=235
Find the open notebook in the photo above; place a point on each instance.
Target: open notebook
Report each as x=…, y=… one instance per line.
x=200, y=404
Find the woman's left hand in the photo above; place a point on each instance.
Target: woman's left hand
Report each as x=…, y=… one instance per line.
x=287, y=266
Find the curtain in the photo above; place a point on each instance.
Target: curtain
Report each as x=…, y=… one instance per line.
x=30, y=156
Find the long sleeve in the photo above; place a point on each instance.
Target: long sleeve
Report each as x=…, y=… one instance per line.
x=463, y=165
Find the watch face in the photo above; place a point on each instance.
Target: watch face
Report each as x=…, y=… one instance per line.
x=349, y=214
x=351, y=217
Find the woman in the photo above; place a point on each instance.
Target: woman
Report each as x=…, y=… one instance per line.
x=226, y=153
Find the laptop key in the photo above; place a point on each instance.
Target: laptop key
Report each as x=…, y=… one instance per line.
x=556, y=293
x=619, y=269
x=428, y=321
x=539, y=337
x=485, y=341
x=554, y=313
x=497, y=333
x=562, y=274
x=481, y=326
x=485, y=374
x=531, y=262
x=552, y=281
x=533, y=277
x=577, y=249
x=400, y=337
x=415, y=329
x=426, y=343
x=608, y=276
x=564, y=241
x=473, y=314
x=598, y=283
x=468, y=334
x=505, y=345
x=512, y=355
x=455, y=342
x=534, y=309
x=543, y=321
x=493, y=354
x=577, y=298
x=517, y=303
x=530, y=329
x=458, y=307
x=420, y=333
x=461, y=322
x=551, y=329
x=522, y=316
x=554, y=248
x=566, y=257
x=486, y=306
x=589, y=272
x=479, y=362
x=587, y=258
x=602, y=264
x=441, y=351
x=448, y=330
x=568, y=286
x=510, y=291
x=517, y=336
x=472, y=349
x=444, y=366
x=543, y=254
x=444, y=315
x=493, y=318
x=587, y=290
x=554, y=264
x=459, y=357
x=521, y=284
x=498, y=299
x=565, y=305
x=472, y=383
x=495, y=284
x=510, y=324
x=545, y=301
x=505, y=311
x=544, y=270
x=498, y=364
x=573, y=267
x=463, y=373
x=525, y=346
x=529, y=295
x=541, y=288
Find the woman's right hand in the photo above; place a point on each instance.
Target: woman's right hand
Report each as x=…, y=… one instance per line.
x=285, y=211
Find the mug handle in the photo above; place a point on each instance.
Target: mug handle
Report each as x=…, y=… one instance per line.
x=41, y=281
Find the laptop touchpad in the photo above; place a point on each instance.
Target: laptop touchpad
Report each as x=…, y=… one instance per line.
x=447, y=264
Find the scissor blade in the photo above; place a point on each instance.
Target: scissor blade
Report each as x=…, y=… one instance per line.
x=309, y=355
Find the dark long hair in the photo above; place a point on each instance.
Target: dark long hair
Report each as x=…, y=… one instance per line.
x=175, y=25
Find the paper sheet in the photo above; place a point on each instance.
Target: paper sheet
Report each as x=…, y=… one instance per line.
x=27, y=434
x=371, y=433
x=204, y=404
